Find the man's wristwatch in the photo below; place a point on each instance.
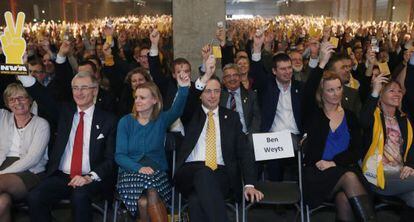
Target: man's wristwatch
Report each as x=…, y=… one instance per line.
x=92, y=176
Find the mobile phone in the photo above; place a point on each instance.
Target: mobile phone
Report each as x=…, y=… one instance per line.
x=109, y=23
x=220, y=24
x=374, y=45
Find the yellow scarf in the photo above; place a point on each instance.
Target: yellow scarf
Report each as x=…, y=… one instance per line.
x=378, y=145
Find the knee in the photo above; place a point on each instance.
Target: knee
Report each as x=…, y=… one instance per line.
x=34, y=197
x=341, y=198
x=79, y=198
x=351, y=177
x=152, y=195
x=203, y=175
x=5, y=203
x=142, y=202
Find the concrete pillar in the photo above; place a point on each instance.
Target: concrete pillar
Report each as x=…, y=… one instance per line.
x=63, y=9
x=194, y=25
x=13, y=8
x=75, y=10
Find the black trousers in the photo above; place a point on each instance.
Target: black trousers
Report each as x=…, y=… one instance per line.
x=206, y=191
x=275, y=169
x=55, y=188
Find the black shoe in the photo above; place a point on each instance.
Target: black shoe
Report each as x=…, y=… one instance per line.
x=407, y=215
x=363, y=208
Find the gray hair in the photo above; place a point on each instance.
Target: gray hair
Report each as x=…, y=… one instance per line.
x=231, y=66
x=86, y=75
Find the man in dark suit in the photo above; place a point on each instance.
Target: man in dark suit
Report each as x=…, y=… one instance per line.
x=341, y=65
x=239, y=99
x=280, y=98
x=210, y=158
x=81, y=161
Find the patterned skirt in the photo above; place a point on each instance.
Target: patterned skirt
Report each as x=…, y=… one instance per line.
x=131, y=185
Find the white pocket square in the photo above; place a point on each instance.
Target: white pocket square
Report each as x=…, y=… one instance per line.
x=101, y=136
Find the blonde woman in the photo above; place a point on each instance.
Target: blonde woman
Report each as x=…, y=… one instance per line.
x=389, y=134
x=143, y=183
x=23, y=144
x=333, y=146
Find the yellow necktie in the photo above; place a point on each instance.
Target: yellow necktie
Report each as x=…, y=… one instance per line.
x=211, y=155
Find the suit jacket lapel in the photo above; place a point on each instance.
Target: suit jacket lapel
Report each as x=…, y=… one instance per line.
x=244, y=97
x=224, y=97
x=96, y=121
x=294, y=94
x=223, y=118
x=66, y=130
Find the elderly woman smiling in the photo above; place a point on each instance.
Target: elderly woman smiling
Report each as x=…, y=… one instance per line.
x=23, y=145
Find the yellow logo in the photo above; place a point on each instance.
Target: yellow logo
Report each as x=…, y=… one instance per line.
x=13, y=44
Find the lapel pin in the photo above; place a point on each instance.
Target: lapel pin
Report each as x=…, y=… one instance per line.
x=97, y=126
x=245, y=100
x=346, y=98
x=296, y=91
x=225, y=116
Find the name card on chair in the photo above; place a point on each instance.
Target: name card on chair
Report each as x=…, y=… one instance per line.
x=270, y=146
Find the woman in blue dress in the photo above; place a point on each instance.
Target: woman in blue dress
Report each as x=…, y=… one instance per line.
x=333, y=147
x=143, y=183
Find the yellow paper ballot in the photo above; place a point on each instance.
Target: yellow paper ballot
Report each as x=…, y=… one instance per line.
x=109, y=39
x=384, y=69
x=217, y=52
x=349, y=50
x=314, y=32
x=334, y=41
x=328, y=22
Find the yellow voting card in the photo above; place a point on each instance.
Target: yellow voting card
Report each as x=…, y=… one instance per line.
x=217, y=52
x=349, y=50
x=334, y=41
x=384, y=69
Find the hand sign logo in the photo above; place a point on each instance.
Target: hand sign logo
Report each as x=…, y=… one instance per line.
x=12, y=41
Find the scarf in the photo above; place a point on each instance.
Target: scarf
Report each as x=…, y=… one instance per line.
x=376, y=151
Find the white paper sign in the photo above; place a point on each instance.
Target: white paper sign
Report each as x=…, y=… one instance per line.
x=270, y=146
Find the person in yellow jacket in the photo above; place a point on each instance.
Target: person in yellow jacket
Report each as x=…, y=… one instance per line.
x=389, y=160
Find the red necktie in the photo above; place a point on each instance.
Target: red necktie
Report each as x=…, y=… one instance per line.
x=76, y=163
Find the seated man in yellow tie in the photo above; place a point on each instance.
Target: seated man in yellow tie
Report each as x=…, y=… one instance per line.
x=212, y=157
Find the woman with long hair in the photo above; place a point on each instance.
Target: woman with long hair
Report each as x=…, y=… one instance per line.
x=389, y=158
x=333, y=147
x=143, y=183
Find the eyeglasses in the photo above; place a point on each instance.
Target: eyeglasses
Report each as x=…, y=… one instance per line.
x=211, y=91
x=36, y=72
x=231, y=76
x=82, y=88
x=18, y=98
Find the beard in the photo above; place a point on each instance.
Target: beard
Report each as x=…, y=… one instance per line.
x=297, y=68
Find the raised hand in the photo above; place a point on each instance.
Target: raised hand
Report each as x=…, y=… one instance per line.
x=371, y=57
x=377, y=83
x=12, y=41
x=183, y=79
x=155, y=38
x=221, y=36
x=210, y=66
x=206, y=52
x=106, y=48
x=257, y=43
x=64, y=48
x=314, y=48
x=326, y=51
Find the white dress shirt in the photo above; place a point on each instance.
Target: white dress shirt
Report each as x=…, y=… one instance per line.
x=66, y=159
x=284, y=118
x=199, y=151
